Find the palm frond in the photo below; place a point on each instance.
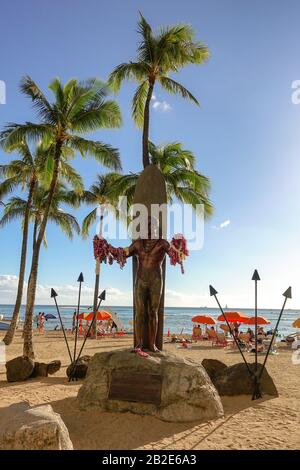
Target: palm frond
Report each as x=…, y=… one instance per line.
x=88, y=221
x=106, y=114
x=66, y=222
x=103, y=153
x=70, y=175
x=138, y=103
x=127, y=71
x=8, y=185
x=171, y=86
x=13, y=134
x=40, y=103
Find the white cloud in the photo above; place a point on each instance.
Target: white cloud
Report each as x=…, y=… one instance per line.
x=222, y=225
x=160, y=105
x=67, y=293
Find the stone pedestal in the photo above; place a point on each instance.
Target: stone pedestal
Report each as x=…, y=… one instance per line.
x=162, y=385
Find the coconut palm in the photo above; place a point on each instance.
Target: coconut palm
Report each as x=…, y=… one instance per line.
x=77, y=108
x=17, y=209
x=25, y=173
x=102, y=196
x=158, y=55
x=183, y=182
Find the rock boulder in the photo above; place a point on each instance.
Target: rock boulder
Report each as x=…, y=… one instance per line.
x=19, y=369
x=37, y=428
x=81, y=368
x=187, y=393
x=235, y=380
x=213, y=366
x=42, y=369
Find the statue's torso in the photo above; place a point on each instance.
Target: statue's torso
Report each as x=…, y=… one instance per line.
x=150, y=255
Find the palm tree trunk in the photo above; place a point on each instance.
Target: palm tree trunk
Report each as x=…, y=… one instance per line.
x=146, y=160
x=8, y=338
x=35, y=227
x=31, y=290
x=97, y=277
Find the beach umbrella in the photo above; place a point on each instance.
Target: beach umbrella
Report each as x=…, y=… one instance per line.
x=49, y=316
x=204, y=320
x=296, y=323
x=101, y=315
x=260, y=321
x=224, y=327
x=234, y=317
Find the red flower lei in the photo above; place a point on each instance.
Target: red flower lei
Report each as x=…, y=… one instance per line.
x=107, y=253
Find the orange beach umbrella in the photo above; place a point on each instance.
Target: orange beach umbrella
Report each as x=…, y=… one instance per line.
x=204, y=320
x=101, y=315
x=296, y=323
x=234, y=317
x=260, y=321
x=224, y=327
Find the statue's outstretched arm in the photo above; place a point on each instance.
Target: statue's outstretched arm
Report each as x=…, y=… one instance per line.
x=131, y=250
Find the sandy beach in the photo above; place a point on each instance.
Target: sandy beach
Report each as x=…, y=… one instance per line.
x=264, y=424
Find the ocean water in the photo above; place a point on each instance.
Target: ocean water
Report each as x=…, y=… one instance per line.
x=176, y=318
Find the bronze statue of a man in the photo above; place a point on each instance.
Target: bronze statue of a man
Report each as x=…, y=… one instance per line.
x=150, y=253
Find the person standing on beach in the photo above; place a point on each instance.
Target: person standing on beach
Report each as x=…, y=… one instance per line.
x=37, y=319
x=41, y=320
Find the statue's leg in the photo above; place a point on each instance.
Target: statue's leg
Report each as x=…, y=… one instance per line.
x=154, y=302
x=140, y=315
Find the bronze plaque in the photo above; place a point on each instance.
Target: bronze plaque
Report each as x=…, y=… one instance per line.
x=136, y=387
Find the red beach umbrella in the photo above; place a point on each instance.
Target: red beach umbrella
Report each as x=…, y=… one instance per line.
x=234, y=317
x=204, y=320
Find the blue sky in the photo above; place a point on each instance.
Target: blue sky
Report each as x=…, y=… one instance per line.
x=246, y=136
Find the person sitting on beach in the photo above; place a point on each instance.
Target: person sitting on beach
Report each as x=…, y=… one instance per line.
x=197, y=331
x=251, y=334
x=261, y=331
x=173, y=338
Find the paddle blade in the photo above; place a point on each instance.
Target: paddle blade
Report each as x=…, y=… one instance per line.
x=212, y=291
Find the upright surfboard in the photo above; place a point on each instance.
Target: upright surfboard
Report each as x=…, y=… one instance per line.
x=151, y=189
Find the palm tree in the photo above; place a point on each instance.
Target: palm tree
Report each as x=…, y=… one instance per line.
x=78, y=108
x=103, y=196
x=158, y=55
x=26, y=173
x=17, y=208
x=183, y=181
